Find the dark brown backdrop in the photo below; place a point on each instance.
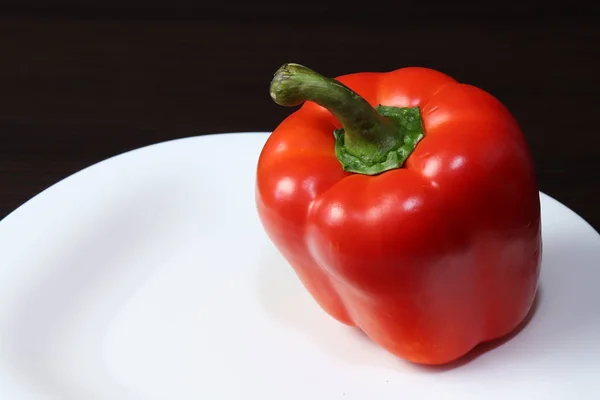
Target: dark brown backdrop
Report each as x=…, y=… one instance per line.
x=83, y=81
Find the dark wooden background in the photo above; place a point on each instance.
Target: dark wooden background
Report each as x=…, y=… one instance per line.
x=83, y=81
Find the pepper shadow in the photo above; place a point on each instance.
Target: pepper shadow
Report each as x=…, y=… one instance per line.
x=287, y=302
x=562, y=324
x=489, y=346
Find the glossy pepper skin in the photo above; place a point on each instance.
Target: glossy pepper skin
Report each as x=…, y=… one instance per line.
x=430, y=258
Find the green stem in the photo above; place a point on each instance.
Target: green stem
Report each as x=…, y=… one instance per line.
x=371, y=140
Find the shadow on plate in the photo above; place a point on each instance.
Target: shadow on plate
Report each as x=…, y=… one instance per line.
x=488, y=346
x=285, y=299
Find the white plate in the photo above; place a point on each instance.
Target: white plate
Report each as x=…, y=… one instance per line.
x=148, y=276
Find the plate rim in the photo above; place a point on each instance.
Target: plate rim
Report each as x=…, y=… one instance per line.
x=204, y=136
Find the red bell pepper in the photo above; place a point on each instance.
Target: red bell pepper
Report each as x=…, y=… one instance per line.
x=407, y=204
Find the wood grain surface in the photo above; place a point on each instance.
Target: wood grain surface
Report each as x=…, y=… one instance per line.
x=79, y=85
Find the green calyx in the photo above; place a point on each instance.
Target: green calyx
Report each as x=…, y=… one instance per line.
x=371, y=140
x=410, y=132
